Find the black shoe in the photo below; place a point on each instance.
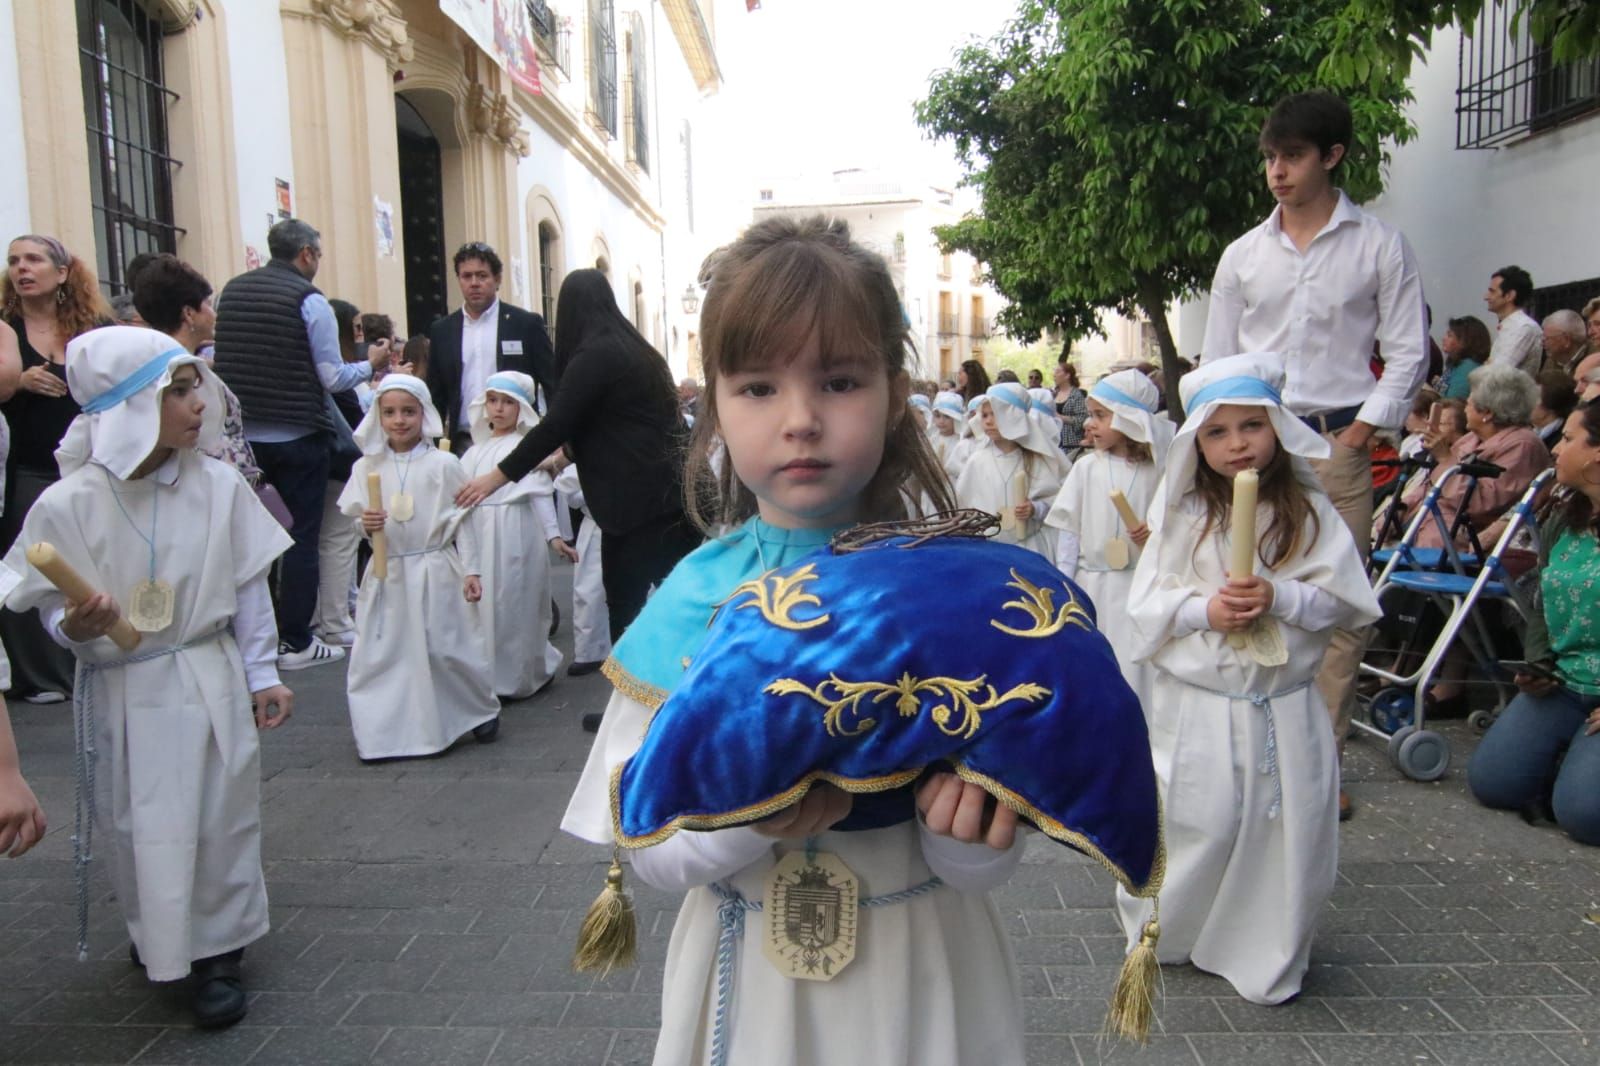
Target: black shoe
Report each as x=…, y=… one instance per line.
x=555, y=618
x=591, y=722
x=579, y=669
x=488, y=732
x=218, y=999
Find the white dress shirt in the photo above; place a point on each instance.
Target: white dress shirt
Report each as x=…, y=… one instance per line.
x=1518, y=342
x=478, y=338
x=1357, y=284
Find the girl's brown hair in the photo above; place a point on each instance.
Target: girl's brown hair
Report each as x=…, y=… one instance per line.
x=1280, y=489
x=784, y=279
x=79, y=304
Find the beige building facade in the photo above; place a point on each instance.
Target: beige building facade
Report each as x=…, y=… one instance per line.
x=190, y=126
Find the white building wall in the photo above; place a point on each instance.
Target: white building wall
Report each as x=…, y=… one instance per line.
x=262, y=146
x=1466, y=213
x=14, y=216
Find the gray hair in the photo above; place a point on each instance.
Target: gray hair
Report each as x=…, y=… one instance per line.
x=286, y=238
x=1504, y=393
x=122, y=309
x=1568, y=322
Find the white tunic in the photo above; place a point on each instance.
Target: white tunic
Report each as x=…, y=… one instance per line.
x=952, y=452
x=419, y=673
x=932, y=984
x=1252, y=854
x=1086, y=520
x=511, y=531
x=591, y=620
x=177, y=761
x=988, y=483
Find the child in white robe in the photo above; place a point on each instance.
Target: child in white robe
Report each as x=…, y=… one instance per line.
x=951, y=436
x=933, y=982
x=1015, y=470
x=1094, y=546
x=419, y=677
x=591, y=621
x=165, y=733
x=507, y=530
x=1245, y=759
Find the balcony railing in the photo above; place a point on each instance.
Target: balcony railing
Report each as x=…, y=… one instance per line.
x=552, y=33
x=949, y=325
x=982, y=328
x=1508, y=87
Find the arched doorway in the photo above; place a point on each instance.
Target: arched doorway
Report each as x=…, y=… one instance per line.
x=421, y=217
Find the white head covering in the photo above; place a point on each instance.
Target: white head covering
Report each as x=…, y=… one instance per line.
x=117, y=374
x=369, y=434
x=950, y=405
x=1133, y=399
x=510, y=383
x=1042, y=405
x=1013, y=415
x=1254, y=380
x=924, y=409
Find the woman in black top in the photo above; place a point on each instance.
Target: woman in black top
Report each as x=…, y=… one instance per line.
x=1072, y=404
x=48, y=297
x=616, y=411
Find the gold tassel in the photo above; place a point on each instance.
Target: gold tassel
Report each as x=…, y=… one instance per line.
x=610, y=934
x=1133, y=1006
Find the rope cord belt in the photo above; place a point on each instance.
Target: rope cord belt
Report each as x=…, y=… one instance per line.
x=730, y=918
x=378, y=633
x=1269, y=754
x=84, y=757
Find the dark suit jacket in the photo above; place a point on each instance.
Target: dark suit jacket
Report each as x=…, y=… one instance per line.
x=518, y=329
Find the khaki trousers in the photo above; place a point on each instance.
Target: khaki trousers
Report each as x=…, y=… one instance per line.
x=1346, y=477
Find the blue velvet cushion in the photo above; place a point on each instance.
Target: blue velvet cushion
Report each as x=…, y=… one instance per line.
x=865, y=669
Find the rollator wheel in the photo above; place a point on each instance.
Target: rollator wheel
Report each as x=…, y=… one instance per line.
x=1424, y=756
x=1480, y=720
x=1398, y=739
x=1392, y=708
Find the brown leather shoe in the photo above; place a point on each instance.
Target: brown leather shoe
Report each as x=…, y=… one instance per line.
x=1346, y=808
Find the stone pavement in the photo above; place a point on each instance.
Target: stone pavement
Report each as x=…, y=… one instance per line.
x=424, y=912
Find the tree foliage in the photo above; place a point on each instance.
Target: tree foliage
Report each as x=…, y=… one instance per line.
x=1113, y=144
x=1401, y=29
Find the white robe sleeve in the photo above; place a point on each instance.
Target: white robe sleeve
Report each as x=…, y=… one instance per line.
x=1067, y=548
x=545, y=507
x=688, y=859
x=255, y=628
x=353, y=498
x=1306, y=606
x=467, y=542
x=969, y=867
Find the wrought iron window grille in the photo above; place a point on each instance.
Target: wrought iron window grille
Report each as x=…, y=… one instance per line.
x=1507, y=87
x=603, y=67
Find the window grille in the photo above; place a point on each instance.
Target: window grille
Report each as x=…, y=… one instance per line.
x=125, y=104
x=1508, y=87
x=547, y=274
x=603, y=66
x=552, y=33
x=639, y=112
x=1571, y=295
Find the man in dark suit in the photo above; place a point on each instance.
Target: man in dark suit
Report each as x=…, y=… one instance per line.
x=486, y=335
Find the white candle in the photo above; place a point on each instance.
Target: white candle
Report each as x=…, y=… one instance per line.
x=1243, y=563
x=380, y=543
x=1125, y=509
x=44, y=558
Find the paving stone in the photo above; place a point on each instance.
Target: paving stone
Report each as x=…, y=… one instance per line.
x=1579, y=1049
x=1049, y=1050
x=1433, y=948
x=1178, y=1016
x=1335, y=1050
x=1280, y=1050
x=272, y=1009
x=356, y=976
x=430, y=920
x=1077, y=921
x=437, y=1047
x=1391, y=1016
x=358, y=947
x=83, y=1008
x=1551, y=947
x=1521, y=1014
x=1422, y=981
x=292, y=1046
x=194, y=1047
x=1490, y=1049
x=613, y=1009
x=88, y=1043
x=1053, y=951
x=418, y=1009
x=553, y=1047
x=1448, y=920
x=533, y=1010
x=632, y=1047
x=1303, y=1015
x=1064, y=1015
x=1583, y=1012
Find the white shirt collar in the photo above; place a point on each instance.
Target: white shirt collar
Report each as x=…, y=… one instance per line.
x=490, y=313
x=1344, y=211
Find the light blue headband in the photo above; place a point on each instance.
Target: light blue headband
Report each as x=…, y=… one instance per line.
x=1112, y=394
x=1009, y=397
x=954, y=410
x=972, y=404
x=134, y=383
x=507, y=383
x=1236, y=388
x=1041, y=405
x=919, y=400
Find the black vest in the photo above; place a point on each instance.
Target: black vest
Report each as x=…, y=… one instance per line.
x=263, y=353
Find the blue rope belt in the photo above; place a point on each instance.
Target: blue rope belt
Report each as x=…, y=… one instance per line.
x=84, y=757
x=1269, y=755
x=730, y=916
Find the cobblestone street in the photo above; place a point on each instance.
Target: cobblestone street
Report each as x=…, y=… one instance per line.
x=424, y=912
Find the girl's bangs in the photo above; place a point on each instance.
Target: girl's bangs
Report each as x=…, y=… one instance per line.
x=784, y=297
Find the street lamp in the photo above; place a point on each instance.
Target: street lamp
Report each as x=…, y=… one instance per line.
x=691, y=299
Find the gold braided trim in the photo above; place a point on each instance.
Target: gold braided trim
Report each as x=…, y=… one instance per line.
x=630, y=686
x=755, y=812
x=1056, y=831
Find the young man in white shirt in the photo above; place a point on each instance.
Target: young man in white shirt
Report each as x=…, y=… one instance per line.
x=1518, y=340
x=1326, y=285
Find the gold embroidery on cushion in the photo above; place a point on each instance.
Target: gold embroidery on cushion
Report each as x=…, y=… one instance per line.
x=1039, y=603
x=961, y=717
x=777, y=603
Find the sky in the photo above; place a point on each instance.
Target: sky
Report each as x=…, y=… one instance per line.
x=821, y=85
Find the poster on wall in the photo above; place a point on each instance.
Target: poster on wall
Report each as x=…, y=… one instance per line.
x=501, y=29
x=383, y=218
x=285, y=202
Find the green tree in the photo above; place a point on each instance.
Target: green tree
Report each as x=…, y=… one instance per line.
x=1401, y=29
x=1113, y=145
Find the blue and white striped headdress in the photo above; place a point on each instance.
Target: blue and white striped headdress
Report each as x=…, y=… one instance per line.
x=1133, y=400
x=520, y=387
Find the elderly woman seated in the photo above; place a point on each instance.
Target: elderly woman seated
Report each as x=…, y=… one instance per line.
x=1499, y=414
